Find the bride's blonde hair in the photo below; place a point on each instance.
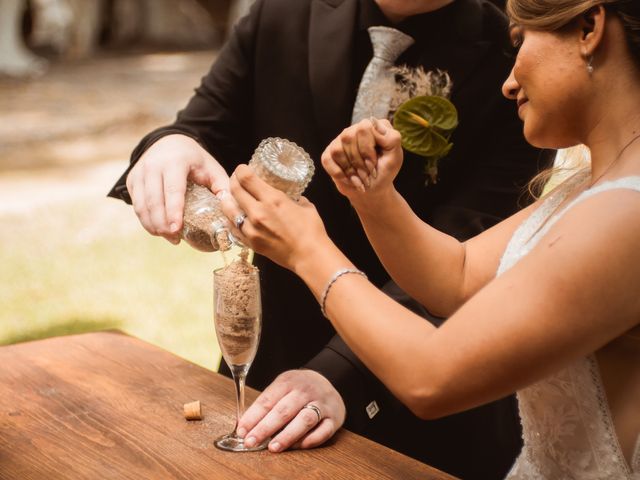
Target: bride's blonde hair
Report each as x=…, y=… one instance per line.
x=549, y=15
x=552, y=15
x=569, y=163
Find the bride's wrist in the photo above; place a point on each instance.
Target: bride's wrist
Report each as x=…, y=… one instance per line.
x=319, y=263
x=373, y=203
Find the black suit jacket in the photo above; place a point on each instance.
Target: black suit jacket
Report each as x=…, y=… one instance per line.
x=287, y=71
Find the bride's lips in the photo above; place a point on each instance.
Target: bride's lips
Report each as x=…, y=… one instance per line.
x=522, y=101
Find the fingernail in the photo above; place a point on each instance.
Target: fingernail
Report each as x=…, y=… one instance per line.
x=378, y=126
x=222, y=194
x=275, y=447
x=356, y=182
x=369, y=164
x=250, y=442
x=173, y=228
x=374, y=173
x=364, y=177
x=241, y=432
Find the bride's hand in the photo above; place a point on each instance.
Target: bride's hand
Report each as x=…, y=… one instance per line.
x=275, y=226
x=364, y=159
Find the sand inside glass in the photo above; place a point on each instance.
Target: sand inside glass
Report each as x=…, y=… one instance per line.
x=238, y=314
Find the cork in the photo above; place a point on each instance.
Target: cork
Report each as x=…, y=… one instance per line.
x=192, y=410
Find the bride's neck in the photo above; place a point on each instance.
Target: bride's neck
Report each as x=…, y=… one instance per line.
x=612, y=119
x=615, y=148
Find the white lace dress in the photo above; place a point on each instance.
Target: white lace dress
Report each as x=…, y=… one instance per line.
x=568, y=431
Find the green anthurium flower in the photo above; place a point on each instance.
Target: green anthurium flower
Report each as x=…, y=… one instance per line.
x=426, y=124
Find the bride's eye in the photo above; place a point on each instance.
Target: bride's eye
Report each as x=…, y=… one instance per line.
x=516, y=37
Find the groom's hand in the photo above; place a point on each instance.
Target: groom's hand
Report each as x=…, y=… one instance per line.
x=158, y=182
x=280, y=412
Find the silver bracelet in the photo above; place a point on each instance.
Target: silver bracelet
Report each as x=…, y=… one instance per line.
x=334, y=278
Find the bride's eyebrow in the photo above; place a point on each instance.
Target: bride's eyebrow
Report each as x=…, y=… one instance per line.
x=515, y=34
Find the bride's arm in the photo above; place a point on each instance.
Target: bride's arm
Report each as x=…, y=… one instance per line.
x=574, y=293
x=432, y=267
x=571, y=295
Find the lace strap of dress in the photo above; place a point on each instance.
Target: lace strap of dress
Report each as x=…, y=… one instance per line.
x=628, y=183
x=542, y=219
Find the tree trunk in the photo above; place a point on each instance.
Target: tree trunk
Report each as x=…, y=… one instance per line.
x=15, y=58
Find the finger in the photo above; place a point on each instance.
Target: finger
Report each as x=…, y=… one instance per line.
x=175, y=187
x=371, y=167
x=233, y=213
x=339, y=157
x=304, y=422
x=277, y=418
x=336, y=173
x=323, y=432
x=229, y=206
x=245, y=233
x=367, y=148
x=350, y=146
x=154, y=200
x=386, y=136
x=262, y=405
x=235, y=210
x=330, y=166
x=139, y=204
x=245, y=201
x=379, y=125
x=252, y=184
x=219, y=178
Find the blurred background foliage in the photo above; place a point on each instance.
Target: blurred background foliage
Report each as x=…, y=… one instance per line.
x=77, y=91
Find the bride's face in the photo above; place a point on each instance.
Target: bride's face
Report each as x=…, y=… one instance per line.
x=398, y=10
x=548, y=84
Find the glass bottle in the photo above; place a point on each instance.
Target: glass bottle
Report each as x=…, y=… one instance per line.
x=205, y=227
x=283, y=165
x=279, y=162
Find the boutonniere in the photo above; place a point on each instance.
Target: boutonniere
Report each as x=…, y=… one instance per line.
x=421, y=111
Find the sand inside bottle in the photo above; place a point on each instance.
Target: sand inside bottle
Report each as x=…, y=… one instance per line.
x=204, y=223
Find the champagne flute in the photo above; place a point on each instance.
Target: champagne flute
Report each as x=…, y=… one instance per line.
x=237, y=313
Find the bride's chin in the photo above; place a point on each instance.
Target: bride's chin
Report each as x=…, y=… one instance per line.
x=546, y=140
x=534, y=139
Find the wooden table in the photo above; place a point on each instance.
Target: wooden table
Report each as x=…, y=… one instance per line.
x=109, y=406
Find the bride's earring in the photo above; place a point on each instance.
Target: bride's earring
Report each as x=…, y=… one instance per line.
x=590, y=65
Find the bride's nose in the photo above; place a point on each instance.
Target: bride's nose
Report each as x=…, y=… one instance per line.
x=511, y=87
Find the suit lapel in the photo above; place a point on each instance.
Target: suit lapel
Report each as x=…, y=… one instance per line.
x=331, y=44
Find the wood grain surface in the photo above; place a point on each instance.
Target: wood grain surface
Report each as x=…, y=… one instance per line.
x=109, y=406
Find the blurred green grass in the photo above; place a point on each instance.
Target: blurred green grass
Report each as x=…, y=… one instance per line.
x=86, y=265
x=72, y=260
